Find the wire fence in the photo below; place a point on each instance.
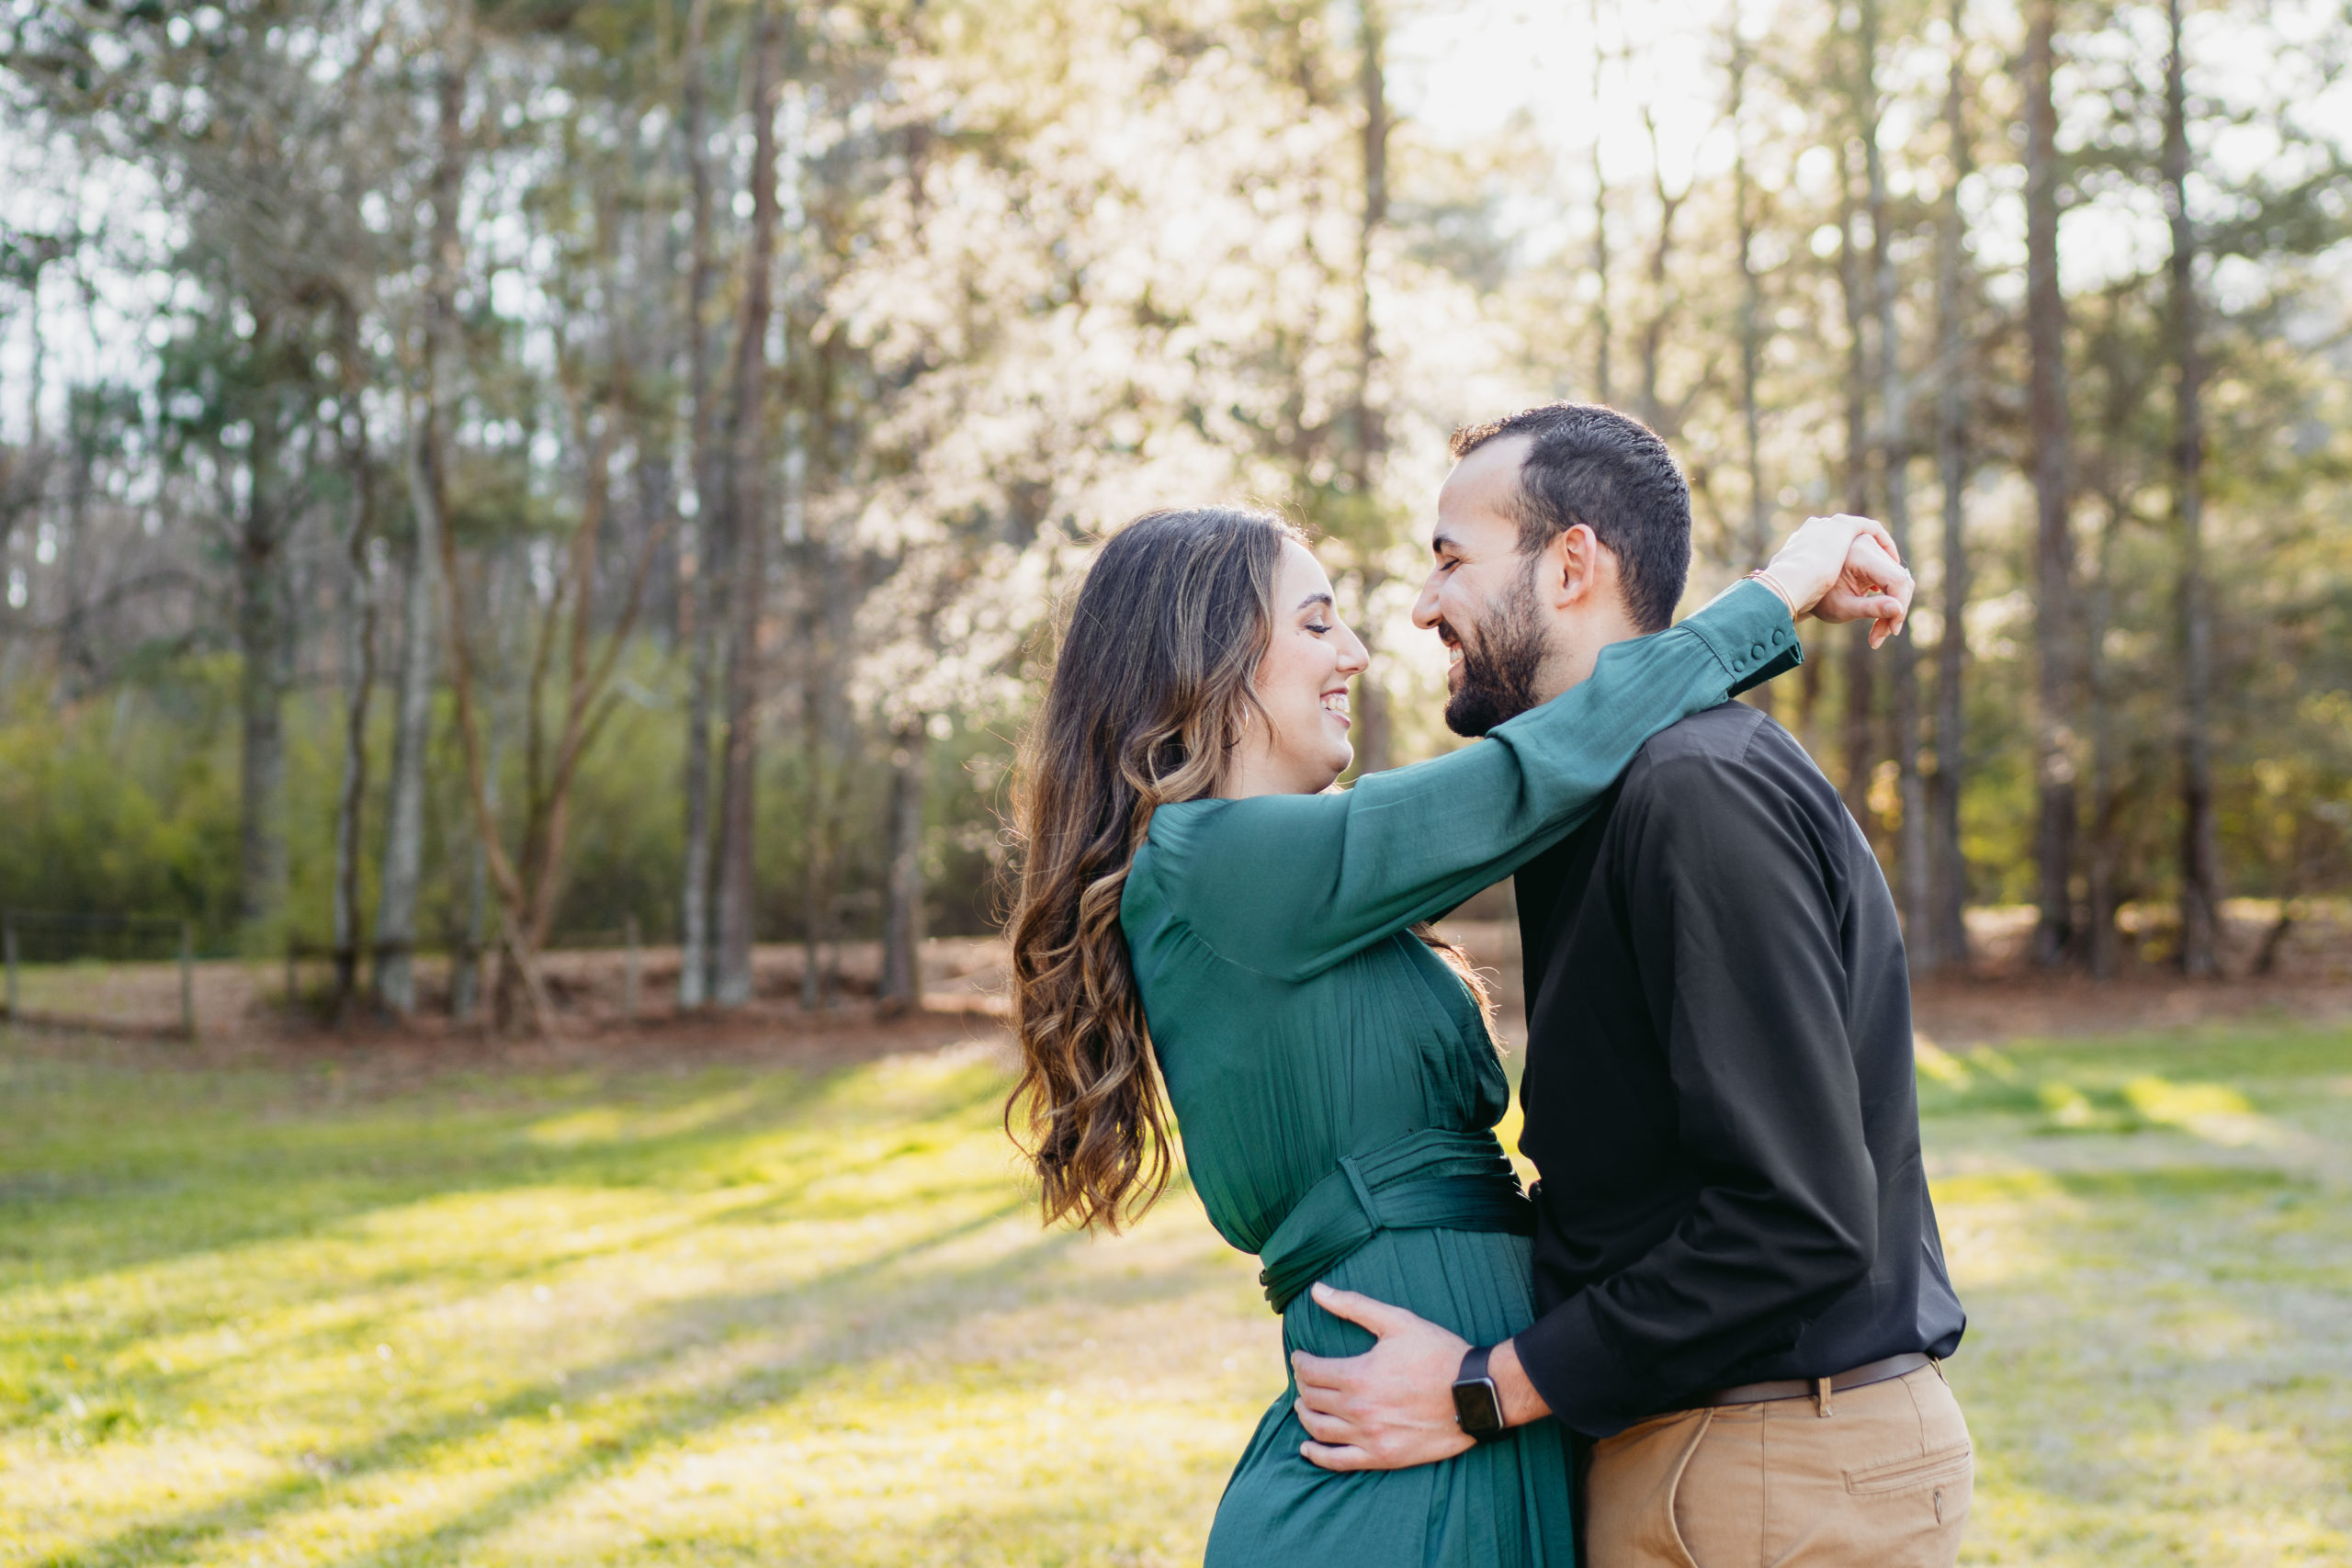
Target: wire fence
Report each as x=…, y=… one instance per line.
x=47, y=937
x=138, y=973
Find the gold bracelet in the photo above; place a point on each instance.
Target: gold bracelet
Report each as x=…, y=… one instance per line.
x=1774, y=583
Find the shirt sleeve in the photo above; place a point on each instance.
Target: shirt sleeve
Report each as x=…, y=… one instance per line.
x=1732, y=904
x=1288, y=884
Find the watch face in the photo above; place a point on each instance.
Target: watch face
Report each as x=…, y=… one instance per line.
x=1475, y=1407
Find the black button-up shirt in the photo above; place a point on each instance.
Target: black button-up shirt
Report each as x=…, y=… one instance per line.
x=1719, y=1093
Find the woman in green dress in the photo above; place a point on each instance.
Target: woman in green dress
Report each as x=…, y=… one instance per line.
x=1195, y=897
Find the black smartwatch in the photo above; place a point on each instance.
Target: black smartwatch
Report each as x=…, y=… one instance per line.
x=1478, y=1403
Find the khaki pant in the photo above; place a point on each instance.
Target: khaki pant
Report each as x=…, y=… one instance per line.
x=1882, y=1482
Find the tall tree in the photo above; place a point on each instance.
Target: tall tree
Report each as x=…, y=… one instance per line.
x=1895, y=462
x=1367, y=438
x=747, y=527
x=700, y=608
x=264, y=631
x=2054, y=630
x=2103, y=866
x=2200, y=850
x=529, y=883
x=1758, y=542
x=359, y=604
x=902, y=926
x=1945, y=935
x=1656, y=410
x=427, y=466
x=1859, y=732
x=1601, y=322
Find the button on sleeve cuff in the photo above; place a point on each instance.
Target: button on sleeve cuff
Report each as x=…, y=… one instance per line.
x=1748, y=628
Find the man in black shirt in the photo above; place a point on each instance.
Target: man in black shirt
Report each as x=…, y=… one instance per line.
x=1741, y=1294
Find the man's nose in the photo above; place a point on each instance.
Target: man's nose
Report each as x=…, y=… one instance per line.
x=1425, y=613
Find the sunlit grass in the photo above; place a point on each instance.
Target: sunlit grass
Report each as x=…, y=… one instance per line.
x=616, y=1317
x=638, y=1314
x=2153, y=1238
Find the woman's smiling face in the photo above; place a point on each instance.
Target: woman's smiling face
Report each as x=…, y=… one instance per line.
x=1299, y=744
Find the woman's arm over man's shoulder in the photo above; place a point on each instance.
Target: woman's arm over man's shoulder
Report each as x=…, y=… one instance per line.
x=1289, y=885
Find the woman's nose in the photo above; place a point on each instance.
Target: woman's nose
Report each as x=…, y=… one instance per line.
x=1354, y=657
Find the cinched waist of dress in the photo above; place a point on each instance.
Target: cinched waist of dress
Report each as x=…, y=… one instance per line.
x=1431, y=1180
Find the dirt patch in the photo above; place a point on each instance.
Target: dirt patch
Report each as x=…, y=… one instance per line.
x=620, y=1010
x=2001, y=996
x=247, y=1016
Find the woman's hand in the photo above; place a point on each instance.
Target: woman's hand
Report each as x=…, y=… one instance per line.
x=1845, y=569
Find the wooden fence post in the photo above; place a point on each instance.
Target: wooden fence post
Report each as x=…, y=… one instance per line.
x=631, y=970
x=188, y=978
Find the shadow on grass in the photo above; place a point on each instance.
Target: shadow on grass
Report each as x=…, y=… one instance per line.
x=892, y=1317
x=129, y=1202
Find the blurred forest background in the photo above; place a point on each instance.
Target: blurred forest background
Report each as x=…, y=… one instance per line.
x=476, y=475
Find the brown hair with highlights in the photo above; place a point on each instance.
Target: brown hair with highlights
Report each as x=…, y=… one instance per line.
x=1150, y=695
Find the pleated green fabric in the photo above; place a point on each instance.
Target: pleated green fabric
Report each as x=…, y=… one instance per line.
x=1299, y=1024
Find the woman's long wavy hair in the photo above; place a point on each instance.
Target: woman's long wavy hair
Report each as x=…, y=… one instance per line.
x=1149, y=695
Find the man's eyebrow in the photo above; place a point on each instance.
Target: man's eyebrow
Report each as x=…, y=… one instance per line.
x=1442, y=540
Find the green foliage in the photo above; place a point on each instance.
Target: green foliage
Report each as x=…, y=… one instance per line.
x=125, y=803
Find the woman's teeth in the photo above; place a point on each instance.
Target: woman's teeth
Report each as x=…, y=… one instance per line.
x=1336, y=701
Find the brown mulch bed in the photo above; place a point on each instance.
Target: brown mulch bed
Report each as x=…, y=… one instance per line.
x=245, y=1016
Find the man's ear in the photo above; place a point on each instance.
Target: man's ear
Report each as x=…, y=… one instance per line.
x=1574, y=565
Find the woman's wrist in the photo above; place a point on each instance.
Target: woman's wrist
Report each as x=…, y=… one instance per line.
x=1764, y=575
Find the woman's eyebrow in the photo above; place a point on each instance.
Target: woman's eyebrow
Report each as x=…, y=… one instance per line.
x=1315, y=599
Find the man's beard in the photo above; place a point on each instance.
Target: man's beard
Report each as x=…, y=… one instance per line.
x=1499, y=670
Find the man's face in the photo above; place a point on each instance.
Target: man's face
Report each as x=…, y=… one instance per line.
x=1480, y=597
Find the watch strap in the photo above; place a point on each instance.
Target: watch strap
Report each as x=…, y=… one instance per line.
x=1476, y=1395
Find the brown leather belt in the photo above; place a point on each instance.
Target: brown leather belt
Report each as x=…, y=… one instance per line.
x=1809, y=1388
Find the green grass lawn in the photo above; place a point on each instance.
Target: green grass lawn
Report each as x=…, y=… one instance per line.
x=311, y=1314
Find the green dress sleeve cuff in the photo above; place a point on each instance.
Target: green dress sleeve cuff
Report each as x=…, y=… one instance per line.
x=1748, y=628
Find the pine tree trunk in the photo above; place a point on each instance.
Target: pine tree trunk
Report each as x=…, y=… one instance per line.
x=1367, y=442
x=76, y=661
x=264, y=646
x=412, y=712
x=1947, y=933
x=1859, y=741
x=1600, y=319
x=2055, y=631
x=358, y=692
x=1751, y=331
x=2201, y=850
x=902, y=926
x=1757, y=546
x=1894, y=459
x=2102, y=942
x=411, y=719
x=699, y=609
x=473, y=936
x=747, y=530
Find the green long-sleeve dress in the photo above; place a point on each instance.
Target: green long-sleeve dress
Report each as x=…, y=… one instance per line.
x=1337, y=1090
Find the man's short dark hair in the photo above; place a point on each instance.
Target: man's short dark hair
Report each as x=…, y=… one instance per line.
x=1594, y=466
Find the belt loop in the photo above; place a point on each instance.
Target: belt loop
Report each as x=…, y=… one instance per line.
x=1362, y=1191
x=1821, y=1396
